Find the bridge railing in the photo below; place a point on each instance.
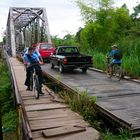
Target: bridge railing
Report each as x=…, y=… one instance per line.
x=23, y=126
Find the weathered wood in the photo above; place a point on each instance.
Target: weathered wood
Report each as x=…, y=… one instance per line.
x=40, y=101
x=89, y=134
x=57, y=114
x=64, y=130
x=36, y=113
x=45, y=106
x=52, y=123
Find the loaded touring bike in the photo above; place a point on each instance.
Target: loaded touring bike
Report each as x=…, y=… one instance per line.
x=115, y=70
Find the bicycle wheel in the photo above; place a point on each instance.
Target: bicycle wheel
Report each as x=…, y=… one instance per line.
x=118, y=72
x=109, y=71
x=36, y=87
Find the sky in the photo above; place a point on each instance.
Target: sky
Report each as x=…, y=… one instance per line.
x=63, y=15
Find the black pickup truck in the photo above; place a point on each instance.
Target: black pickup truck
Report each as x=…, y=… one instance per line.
x=69, y=57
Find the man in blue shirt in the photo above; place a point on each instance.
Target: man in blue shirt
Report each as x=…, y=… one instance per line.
x=35, y=51
x=32, y=60
x=116, y=54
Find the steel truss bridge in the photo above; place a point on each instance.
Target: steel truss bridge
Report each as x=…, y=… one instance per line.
x=24, y=26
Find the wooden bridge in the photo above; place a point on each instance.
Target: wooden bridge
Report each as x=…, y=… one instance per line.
x=117, y=100
x=46, y=118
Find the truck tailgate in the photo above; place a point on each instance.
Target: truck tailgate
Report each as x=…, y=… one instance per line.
x=79, y=59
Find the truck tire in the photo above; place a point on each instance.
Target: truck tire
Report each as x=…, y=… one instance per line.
x=84, y=70
x=61, y=69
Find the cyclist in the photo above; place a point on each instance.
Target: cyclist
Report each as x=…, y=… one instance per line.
x=35, y=50
x=32, y=58
x=116, y=56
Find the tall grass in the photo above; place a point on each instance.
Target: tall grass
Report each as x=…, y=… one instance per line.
x=99, y=60
x=81, y=103
x=130, y=63
x=85, y=106
x=7, y=106
x=123, y=135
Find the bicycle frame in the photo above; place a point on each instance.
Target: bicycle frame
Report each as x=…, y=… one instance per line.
x=114, y=70
x=34, y=82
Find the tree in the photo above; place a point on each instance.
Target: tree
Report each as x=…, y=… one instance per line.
x=104, y=24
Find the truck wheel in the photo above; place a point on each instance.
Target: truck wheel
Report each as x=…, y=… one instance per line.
x=84, y=70
x=61, y=69
x=52, y=66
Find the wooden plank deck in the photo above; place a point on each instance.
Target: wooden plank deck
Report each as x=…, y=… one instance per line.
x=45, y=115
x=119, y=100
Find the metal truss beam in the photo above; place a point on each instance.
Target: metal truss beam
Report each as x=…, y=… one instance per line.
x=21, y=17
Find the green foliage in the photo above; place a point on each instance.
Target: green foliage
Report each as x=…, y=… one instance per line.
x=123, y=135
x=4, y=39
x=57, y=41
x=131, y=65
x=105, y=26
x=85, y=105
x=68, y=40
x=88, y=13
x=99, y=60
x=130, y=62
x=81, y=103
x=9, y=120
x=109, y=27
x=7, y=108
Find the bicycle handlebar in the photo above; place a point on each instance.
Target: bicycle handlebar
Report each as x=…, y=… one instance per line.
x=32, y=65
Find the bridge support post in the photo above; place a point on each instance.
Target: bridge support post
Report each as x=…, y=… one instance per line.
x=47, y=30
x=13, y=47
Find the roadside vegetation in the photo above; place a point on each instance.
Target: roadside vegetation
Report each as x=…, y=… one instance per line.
x=85, y=106
x=6, y=102
x=106, y=25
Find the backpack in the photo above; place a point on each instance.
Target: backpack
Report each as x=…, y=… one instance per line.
x=118, y=54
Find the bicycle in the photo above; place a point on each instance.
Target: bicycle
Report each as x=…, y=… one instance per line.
x=34, y=82
x=115, y=70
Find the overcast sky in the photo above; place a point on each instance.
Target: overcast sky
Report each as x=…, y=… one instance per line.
x=63, y=15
